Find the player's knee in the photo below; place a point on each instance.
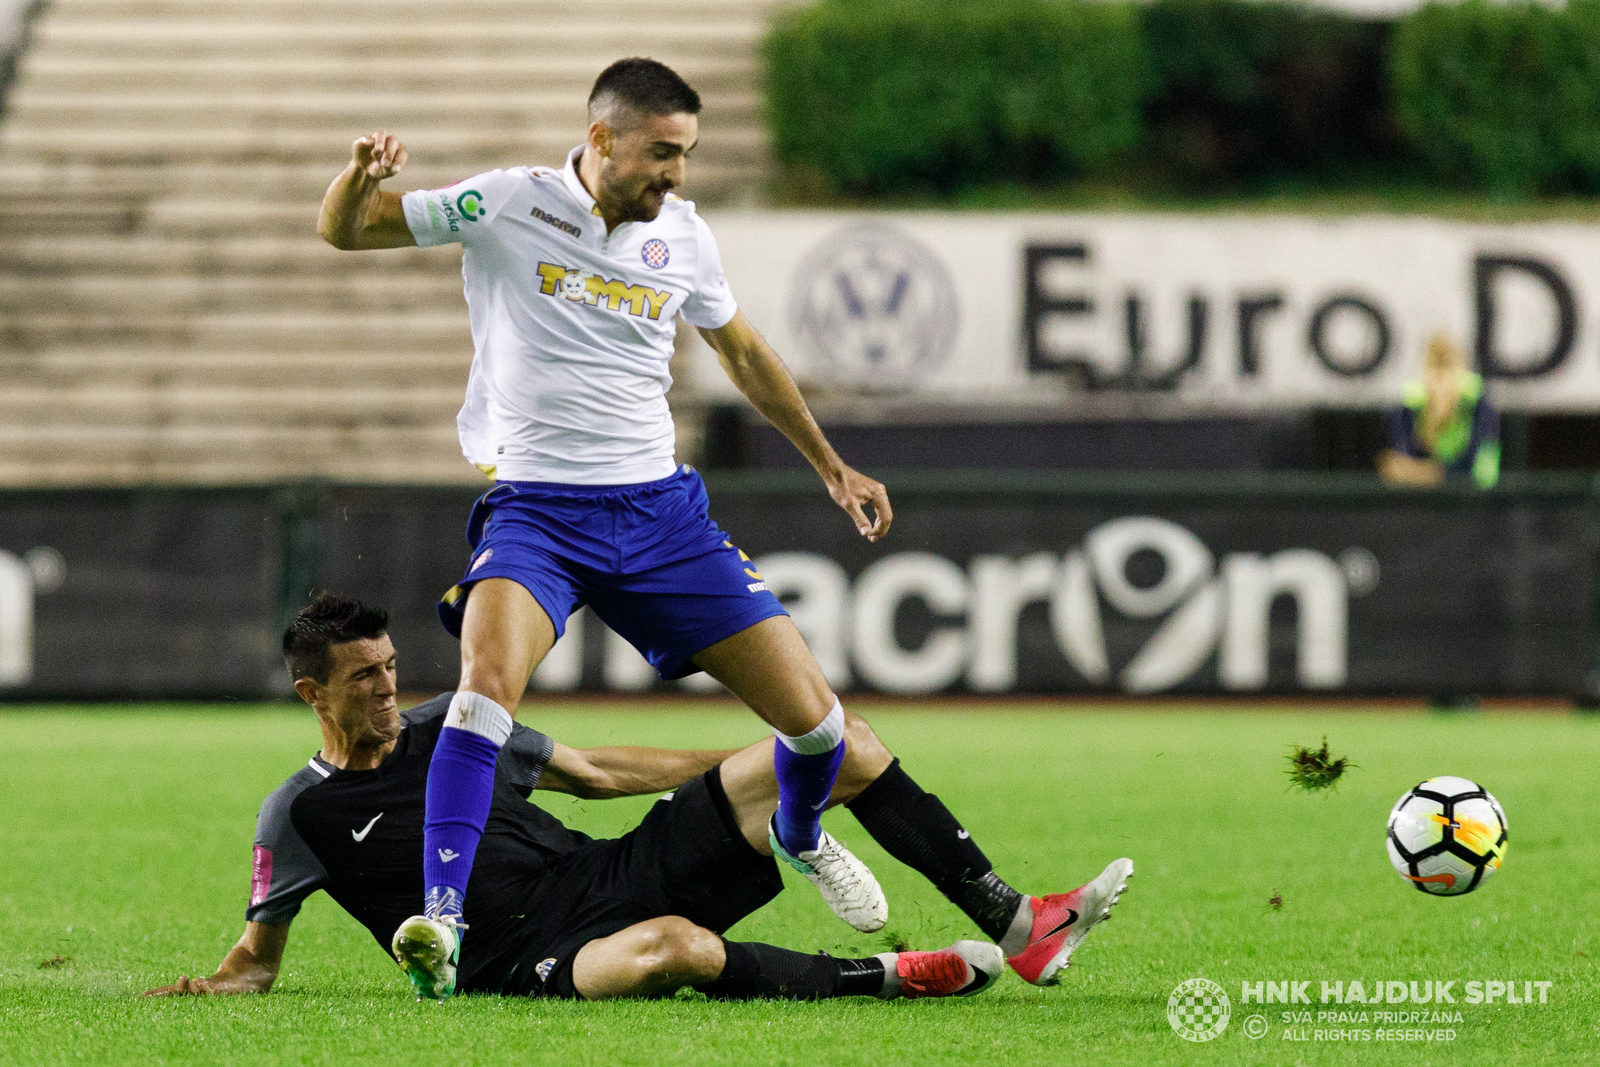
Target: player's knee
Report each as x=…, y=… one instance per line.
x=857, y=734
x=866, y=757
x=495, y=681
x=703, y=954
x=675, y=948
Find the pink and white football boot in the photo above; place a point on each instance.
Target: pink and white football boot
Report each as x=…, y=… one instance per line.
x=963, y=969
x=1060, y=922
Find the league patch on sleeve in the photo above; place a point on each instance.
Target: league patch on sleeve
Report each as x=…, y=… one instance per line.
x=261, y=876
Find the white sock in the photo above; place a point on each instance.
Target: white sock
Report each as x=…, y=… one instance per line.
x=825, y=738
x=478, y=714
x=1021, y=930
x=891, y=977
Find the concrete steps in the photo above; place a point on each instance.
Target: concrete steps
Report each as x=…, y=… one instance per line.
x=89, y=197
x=553, y=112
x=68, y=370
x=259, y=334
x=130, y=404
x=167, y=313
x=470, y=151
x=596, y=40
x=358, y=451
x=514, y=75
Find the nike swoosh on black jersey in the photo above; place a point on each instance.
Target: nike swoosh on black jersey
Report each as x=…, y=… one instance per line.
x=1072, y=917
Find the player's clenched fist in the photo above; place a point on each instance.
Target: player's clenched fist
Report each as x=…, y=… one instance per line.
x=356, y=213
x=379, y=154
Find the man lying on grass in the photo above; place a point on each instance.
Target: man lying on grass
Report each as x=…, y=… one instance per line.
x=555, y=913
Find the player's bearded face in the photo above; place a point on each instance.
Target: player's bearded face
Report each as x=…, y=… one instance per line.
x=361, y=690
x=646, y=160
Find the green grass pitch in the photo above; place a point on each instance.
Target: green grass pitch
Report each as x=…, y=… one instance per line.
x=125, y=846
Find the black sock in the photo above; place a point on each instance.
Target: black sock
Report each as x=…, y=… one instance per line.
x=755, y=971
x=917, y=829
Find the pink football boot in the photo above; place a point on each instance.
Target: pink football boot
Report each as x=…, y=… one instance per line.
x=1062, y=920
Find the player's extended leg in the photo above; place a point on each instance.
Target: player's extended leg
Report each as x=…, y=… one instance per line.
x=504, y=636
x=769, y=667
x=657, y=957
x=1038, y=934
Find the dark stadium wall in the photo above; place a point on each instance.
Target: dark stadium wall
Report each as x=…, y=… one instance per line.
x=1326, y=439
x=1199, y=443
x=1032, y=582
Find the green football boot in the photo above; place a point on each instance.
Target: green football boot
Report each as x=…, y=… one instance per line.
x=428, y=951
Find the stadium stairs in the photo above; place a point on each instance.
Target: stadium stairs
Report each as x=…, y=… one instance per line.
x=167, y=314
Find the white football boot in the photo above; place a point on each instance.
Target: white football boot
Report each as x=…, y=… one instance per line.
x=428, y=951
x=845, y=883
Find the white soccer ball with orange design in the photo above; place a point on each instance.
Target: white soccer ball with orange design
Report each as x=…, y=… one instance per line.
x=1447, y=836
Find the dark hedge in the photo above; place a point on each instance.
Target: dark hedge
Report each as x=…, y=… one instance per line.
x=884, y=97
x=1503, y=97
x=879, y=97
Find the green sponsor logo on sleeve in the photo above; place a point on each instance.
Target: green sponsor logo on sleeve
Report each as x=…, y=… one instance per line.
x=470, y=204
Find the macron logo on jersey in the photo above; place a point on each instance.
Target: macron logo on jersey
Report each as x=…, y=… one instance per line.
x=586, y=287
x=561, y=224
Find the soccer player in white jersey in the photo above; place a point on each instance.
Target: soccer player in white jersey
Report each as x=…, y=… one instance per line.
x=574, y=278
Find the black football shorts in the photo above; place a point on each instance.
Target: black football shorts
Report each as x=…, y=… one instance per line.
x=686, y=858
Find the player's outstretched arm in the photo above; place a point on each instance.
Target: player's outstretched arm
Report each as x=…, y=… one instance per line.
x=251, y=966
x=603, y=773
x=762, y=377
x=356, y=214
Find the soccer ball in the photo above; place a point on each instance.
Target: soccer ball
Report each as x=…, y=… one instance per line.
x=1447, y=836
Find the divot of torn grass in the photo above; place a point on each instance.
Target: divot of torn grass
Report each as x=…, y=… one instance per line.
x=1311, y=769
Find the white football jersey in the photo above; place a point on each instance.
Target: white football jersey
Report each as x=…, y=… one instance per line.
x=572, y=327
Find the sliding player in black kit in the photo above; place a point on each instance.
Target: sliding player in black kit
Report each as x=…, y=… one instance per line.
x=554, y=913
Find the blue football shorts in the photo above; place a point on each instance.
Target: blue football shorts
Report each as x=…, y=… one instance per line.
x=647, y=558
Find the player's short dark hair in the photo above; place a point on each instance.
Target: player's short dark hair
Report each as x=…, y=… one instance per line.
x=327, y=621
x=644, y=86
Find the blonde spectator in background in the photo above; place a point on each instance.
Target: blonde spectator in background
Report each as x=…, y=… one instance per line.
x=1444, y=425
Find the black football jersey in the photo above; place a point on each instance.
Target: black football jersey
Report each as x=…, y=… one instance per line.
x=358, y=836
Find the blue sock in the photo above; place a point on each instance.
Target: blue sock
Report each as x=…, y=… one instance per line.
x=806, y=767
x=460, y=790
